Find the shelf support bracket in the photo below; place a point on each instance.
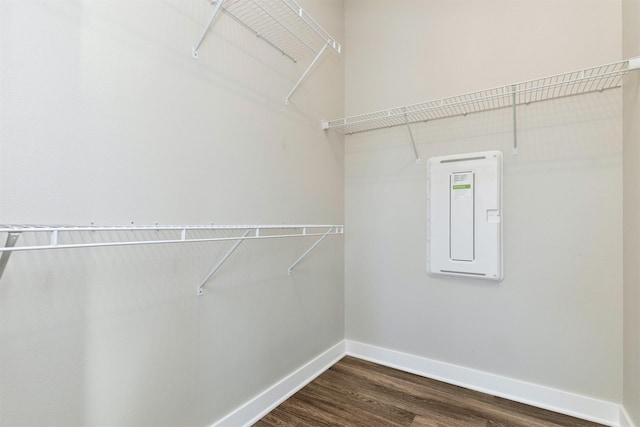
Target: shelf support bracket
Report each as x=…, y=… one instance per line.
x=194, y=51
x=515, y=122
x=307, y=71
x=200, y=290
x=309, y=250
x=413, y=141
x=12, y=238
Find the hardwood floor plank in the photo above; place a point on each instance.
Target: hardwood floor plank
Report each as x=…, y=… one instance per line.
x=353, y=409
x=378, y=396
x=437, y=420
x=306, y=414
x=423, y=396
x=356, y=399
x=472, y=402
x=355, y=392
x=280, y=418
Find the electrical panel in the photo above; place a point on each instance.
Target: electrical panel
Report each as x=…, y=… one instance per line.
x=464, y=216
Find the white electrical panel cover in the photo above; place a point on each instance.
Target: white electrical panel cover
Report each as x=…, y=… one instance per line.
x=464, y=216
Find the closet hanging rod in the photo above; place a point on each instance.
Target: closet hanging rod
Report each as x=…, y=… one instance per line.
x=587, y=80
x=184, y=234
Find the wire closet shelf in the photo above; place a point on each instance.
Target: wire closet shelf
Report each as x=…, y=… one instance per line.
x=45, y=237
x=282, y=24
x=594, y=79
x=69, y=236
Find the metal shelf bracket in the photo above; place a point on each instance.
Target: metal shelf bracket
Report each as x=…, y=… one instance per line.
x=515, y=121
x=194, y=51
x=332, y=230
x=307, y=71
x=12, y=239
x=413, y=142
x=200, y=290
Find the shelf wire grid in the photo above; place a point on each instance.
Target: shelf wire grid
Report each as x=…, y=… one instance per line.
x=603, y=77
x=283, y=24
x=67, y=236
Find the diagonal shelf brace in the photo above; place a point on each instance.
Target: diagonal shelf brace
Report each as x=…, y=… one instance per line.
x=200, y=290
x=515, y=122
x=413, y=141
x=330, y=231
x=12, y=238
x=307, y=71
x=194, y=52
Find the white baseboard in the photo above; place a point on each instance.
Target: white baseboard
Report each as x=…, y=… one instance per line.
x=625, y=419
x=600, y=411
x=262, y=404
x=532, y=394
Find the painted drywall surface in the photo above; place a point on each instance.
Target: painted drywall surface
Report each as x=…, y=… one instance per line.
x=556, y=318
x=431, y=49
x=631, y=147
x=106, y=117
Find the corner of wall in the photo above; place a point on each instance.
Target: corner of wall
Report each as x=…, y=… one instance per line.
x=630, y=413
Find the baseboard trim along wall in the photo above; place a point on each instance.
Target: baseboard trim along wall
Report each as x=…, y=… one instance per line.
x=587, y=408
x=607, y=413
x=265, y=402
x=625, y=419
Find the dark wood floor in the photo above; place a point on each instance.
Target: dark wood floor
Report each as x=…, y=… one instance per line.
x=358, y=393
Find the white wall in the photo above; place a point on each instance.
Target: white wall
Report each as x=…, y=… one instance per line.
x=556, y=319
x=106, y=117
x=631, y=147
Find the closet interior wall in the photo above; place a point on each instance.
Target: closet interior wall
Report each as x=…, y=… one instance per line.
x=631, y=148
x=106, y=117
x=556, y=318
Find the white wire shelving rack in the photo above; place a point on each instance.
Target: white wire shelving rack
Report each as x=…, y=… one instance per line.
x=587, y=80
x=282, y=24
x=48, y=237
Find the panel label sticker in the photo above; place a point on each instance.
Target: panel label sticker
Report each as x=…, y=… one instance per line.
x=462, y=185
